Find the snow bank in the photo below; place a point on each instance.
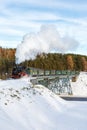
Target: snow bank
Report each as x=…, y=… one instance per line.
x=27, y=107
x=79, y=87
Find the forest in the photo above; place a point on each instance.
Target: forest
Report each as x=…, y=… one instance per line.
x=49, y=61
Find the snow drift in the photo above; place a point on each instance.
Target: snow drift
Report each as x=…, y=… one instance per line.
x=79, y=87
x=27, y=107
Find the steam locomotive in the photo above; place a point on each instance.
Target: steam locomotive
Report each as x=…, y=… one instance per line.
x=20, y=71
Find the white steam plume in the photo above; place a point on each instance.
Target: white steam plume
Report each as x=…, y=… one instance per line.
x=46, y=40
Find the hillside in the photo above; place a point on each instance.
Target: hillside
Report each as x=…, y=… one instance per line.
x=79, y=87
x=49, y=61
x=27, y=107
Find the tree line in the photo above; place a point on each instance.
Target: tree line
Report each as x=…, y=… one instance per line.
x=7, y=61
x=58, y=61
x=50, y=61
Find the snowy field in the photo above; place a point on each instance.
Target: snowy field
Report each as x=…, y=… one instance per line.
x=80, y=86
x=27, y=107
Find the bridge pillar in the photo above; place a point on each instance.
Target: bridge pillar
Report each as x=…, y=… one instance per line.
x=61, y=86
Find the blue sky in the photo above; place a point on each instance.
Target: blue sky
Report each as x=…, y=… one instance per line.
x=20, y=17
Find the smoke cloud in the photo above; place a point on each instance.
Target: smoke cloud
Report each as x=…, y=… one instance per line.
x=46, y=40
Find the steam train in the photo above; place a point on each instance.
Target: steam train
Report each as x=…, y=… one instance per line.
x=20, y=71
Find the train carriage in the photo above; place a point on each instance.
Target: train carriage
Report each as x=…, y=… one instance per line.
x=58, y=72
x=32, y=71
x=40, y=72
x=64, y=72
x=47, y=72
x=52, y=72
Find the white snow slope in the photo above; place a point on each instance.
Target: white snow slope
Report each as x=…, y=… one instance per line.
x=79, y=87
x=27, y=107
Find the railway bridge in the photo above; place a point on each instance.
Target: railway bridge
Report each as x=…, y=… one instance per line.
x=60, y=84
x=56, y=80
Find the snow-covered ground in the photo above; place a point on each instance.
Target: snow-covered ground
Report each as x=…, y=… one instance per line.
x=79, y=87
x=27, y=107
